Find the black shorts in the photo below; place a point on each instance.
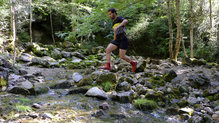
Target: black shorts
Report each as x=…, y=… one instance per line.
x=122, y=43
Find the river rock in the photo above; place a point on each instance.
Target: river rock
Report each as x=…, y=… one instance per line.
x=24, y=88
x=104, y=106
x=61, y=85
x=56, y=53
x=66, y=54
x=41, y=90
x=46, y=116
x=98, y=113
x=199, y=80
x=215, y=116
x=77, y=55
x=4, y=79
x=141, y=65
x=76, y=60
x=6, y=64
x=96, y=92
x=124, y=86
x=186, y=110
x=170, y=75
x=85, y=81
x=77, y=77
x=78, y=90
x=123, y=97
x=106, y=77
x=26, y=57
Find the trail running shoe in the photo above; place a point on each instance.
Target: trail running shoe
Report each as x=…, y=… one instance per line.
x=134, y=64
x=106, y=68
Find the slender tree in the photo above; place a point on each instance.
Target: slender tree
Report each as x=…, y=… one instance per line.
x=13, y=26
x=183, y=44
x=31, y=16
x=191, y=28
x=51, y=25
x=177, y=45
x=218, y=37
x=170, y=29
x=210, y=14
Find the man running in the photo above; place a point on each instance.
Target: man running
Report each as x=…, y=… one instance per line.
x=120, y=40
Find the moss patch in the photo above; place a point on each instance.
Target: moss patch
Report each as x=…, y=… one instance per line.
x=144, y=104
x=3, y=82
x=157, y=81
x=108, y=86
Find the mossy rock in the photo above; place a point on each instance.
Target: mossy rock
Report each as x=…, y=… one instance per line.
x=41, y=90
x=157, y=96
x=38, y=52
x=183, y=103
x=199, y=62
x=170, y=75
x=211, y=98
x=217, y=103
x=108, y=86
x=3, y=82
x=157, y=81
x=107, y=77
x=197, y=106
x=144, y=104
x=85, y=81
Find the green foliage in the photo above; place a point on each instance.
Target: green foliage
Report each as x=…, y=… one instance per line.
x=157, y=81
x=23, y=108
x=209, y=52
x=144, y=104
x=3, y=82
x=107, y=86
x=24, y=37
x=24, y=100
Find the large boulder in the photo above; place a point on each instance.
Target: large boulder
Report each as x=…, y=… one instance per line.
x=124, y=86
x=168, y=76
x=85, y=81
x=3, y=80
x=61, y=85
x=56, y=54
x=106, y=77
x=123, y=97
x=141, y=65
x=96, y=92
x=25, y=57
x=78, y=90
x=77, y=77
x=199, y=81
x=24, y=88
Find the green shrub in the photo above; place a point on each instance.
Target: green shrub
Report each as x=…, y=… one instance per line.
x=144, y=104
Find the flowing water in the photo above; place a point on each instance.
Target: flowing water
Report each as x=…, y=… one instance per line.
x=75, y=108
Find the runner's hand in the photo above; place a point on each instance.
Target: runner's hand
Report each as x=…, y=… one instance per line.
x=116, y=28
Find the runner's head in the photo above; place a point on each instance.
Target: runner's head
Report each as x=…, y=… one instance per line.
x=112, y=13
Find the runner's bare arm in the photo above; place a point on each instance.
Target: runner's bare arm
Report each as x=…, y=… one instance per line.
x=114, y=35
x=124, y=22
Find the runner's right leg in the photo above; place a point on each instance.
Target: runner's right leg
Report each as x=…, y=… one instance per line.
x=109, y=50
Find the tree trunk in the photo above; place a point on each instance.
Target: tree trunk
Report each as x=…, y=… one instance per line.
x=183, y=44
x=13, y=24
x=210, y=14
x=73, y=12
x=218, y=37
x=191, y=28
x=170, y=30
x=177, y=45
x=51, y=26
x=31, y=16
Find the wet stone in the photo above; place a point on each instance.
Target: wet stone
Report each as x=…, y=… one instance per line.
x=104, y=106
